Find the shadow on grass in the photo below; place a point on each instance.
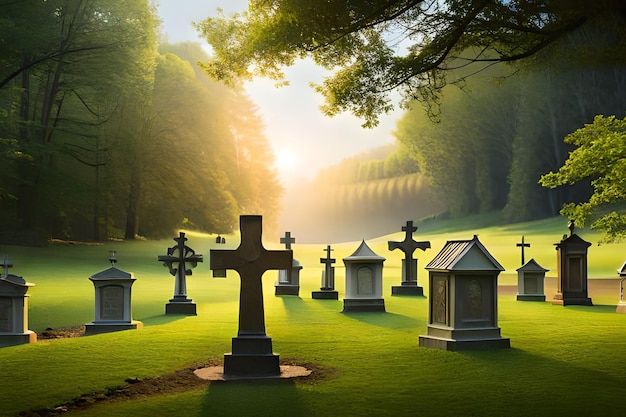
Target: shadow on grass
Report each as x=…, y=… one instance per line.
x=162, y=319
x=387, y=320
x=263, y=397
x=596, y=308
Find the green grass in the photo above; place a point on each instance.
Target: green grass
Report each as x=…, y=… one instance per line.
x=563, y=362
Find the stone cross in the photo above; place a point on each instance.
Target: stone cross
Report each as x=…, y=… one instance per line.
x=180, y=259
x=251, y=260
x=6, y=264
x=287, y=240
x=523, y=245
x=327, y=261
x=408, y=246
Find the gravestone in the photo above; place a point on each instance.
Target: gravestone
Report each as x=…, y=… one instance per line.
x=180, y=259
x=364, y=281
x=408, y=286
x=113, y=301
x=523, y=245
x=288, y=283
x=14, y=308
x=621, y=306
x=530, y=282
x=252, y=353
x=571, y=255
x=463, y=299
x=327, y=289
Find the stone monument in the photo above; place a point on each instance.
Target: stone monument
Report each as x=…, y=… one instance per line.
x=180, y=259
x=463, y=299
x=288, y=284
x=621, y=306
x=571, y=257
x=364, y=281
x=14, y=308
x=113, y=301
x=530, y=282
x=327, y=290
x=409, y=265
x=252, y=349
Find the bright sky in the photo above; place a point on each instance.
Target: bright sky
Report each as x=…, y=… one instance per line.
x=303, y=139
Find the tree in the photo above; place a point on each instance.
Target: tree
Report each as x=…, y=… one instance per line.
x=600, y=155
x=379, y=46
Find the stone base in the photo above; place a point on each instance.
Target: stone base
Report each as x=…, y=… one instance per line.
x=464, y=344
x=531, y=297
x=287, y=289
x=569, y=300
x=251, y=356
x=407, y=290
x=14, y=339
x=187, y=308
x=363, y=305
x=325, y=295
x=621, y=308
x=98, y=328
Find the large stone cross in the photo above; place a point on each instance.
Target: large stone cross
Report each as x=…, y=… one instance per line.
x=408, y=246
x=179, y=260
x=251, y=260
x=523, y=245
x=327, y=261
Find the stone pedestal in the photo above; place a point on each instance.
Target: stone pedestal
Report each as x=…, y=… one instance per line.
x=364, y=281
x=327, y=290
x=14, y=312
x=530, y=282
x=408, y=287
x=286, y=285
x=572, y=272
x=463, y=299
x=181, y=305
x=251, y=356
x=112, y=302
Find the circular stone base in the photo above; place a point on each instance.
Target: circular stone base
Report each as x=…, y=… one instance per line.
x=216, y=373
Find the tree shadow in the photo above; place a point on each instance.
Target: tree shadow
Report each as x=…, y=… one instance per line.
x=162, y=319
x=387, y=320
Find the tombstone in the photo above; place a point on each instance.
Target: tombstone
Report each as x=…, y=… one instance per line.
x=571, y=256
x=463, y=299
x=288, y=283
x=364, y=281
x=327, y=289
x=621, y=306
x=252, y=353
x=180, y=259
x=408, y=286
x=522, y=246
x=530, y=282
x=113, y=301
x=14, y=309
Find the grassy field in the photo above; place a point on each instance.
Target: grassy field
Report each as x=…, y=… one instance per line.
x=564, y=361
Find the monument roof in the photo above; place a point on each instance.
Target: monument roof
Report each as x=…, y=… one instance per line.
x=532, y=266
x=622, y=271
x=573, y=239
x=112, y=273
x=364, y=253
x=464, y=255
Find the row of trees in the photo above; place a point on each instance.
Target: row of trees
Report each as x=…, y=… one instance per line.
x=104, y=134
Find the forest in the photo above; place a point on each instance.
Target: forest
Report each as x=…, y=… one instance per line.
x=107, y=131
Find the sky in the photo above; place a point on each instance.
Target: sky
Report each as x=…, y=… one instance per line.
x=303, y=139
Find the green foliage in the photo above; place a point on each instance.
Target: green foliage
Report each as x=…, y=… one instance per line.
x=600, y=155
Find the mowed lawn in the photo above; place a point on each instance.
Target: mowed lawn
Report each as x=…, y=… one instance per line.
x=564, y=361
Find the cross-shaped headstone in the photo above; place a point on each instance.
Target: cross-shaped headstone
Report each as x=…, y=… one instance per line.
x=408, y=246
x=328, y=261
x=251, y=260
x=287, y=240
x=523, y=245
x=6, y=264
x=180, y=259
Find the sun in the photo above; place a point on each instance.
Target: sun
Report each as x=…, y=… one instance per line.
x=286, y=161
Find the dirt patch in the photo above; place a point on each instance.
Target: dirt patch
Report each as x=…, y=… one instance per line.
x=61, y=332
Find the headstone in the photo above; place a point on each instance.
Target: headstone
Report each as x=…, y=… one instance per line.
x=14, y=309
x=252, y=349
x=621, y=306
x=364, y=281
x=571, y=256
x=530, y=282
x=463, y=299
x=180, y=259
x=327, y=289
x=523, y=245
x=288, y=283
x=408, y=286
x=113, y=301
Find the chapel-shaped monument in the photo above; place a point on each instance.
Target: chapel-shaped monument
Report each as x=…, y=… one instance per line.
x=14, y=309
x=463, y=299
x=364, y=281
x=530, y=282
x=571, y=257
x=288, y=282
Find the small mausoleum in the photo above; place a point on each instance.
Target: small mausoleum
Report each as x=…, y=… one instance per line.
x=571, y=257
x=286, y=284
x=364, y=281
x=530, y=282
x=14, y=311
x=621, y=306
x=113, y=302
x=463, y=299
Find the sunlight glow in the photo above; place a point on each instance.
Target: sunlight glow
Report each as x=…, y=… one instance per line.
x=286, y=161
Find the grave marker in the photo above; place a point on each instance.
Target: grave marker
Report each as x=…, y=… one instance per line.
x=364, y=281
x=14, y=308
x=327, y=290
x=523, y=245
x=409, y=265
x=288, y=283
x=252, y=349
x=571, y=255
